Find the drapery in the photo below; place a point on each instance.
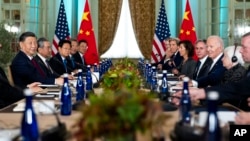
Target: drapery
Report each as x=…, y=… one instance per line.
x=143, y=20
x=109, y=13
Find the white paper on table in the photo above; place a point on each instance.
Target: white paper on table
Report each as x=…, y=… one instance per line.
x=224, y=117
x=176, y=88
x=173, y=82
x=9, y=134
x=44, y=106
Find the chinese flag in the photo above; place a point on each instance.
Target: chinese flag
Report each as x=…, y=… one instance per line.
x=187, y=31
x=86, y=32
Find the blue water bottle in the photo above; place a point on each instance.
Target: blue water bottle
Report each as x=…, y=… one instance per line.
x=164, y=93
x=80, y=89
x=29, y=125
x=153, y=80
x=185, y=102
x=212, y=130
x=89, y=83
x=149, y=76
x=66, y=104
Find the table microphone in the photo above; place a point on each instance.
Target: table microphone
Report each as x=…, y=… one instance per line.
x=58, y=133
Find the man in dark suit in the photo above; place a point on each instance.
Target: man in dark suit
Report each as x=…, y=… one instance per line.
x=175, y=60
x=24, y=68
x=204, y=62
x=10, y=94
x=79, y=56
x=215, y=49
x=229, y=91
x=43, y=56
x=61, y=63
x=74, y=46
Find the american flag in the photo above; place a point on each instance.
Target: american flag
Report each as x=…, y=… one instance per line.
x=62, y=28
x=161, y=32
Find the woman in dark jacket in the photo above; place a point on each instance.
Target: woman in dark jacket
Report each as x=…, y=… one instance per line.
x=187, y=67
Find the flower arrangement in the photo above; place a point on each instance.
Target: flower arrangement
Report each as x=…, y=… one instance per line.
x=121, y=110
x=123, y=75
x=116, y=116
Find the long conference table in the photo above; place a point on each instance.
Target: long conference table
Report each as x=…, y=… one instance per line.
x=10, y=117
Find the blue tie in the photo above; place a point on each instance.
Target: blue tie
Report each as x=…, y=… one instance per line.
x=65, y=65
x=73, y=62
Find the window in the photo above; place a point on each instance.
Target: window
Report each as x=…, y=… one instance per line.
x=218, y=23
x=124, y=44
x=241, y=18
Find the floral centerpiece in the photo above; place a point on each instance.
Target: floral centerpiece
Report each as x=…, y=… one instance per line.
x=121, y=110
x=123, y=75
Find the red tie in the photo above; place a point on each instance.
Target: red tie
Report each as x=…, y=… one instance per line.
x=38, y=67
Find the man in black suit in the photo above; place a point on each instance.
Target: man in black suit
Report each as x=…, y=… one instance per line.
x=229, y=91
x=175, y=60
x=79, y=56
x=42, y=57
x=215, y=49
x=61, y=63
x=24, y=68
x=10, y=94
x=204, y=62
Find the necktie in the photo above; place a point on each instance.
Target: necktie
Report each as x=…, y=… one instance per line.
x=48, y=66
x=197, y=69
x=83, y=60
x=73, y=62
x=65, y=65
x=33, y=61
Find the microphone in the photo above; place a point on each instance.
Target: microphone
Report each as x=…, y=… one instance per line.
x=58, y=132
x=97, y=84
x=83, y=67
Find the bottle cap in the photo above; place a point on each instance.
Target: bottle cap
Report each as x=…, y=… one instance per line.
x=164, y=71
x=27, y=92
x=153, y=67
x=88, y=66
x=79, y=70
x=213, y=95
x=95, y=63
x=65, y=75
x=185, y=79
x=149, y=64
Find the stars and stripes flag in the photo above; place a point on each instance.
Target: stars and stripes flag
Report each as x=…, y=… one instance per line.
x=62, y=28
x=161, y=32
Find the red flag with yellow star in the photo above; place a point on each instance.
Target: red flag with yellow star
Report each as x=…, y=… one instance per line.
x=187, y=31
x=87, y=33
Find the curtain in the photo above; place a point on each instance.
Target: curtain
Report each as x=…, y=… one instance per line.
x=143, y=20
x=109, y=13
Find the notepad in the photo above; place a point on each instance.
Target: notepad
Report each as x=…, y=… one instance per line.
x=43, y=106
x=48, y=86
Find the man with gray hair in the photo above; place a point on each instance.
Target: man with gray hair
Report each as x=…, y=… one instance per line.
x=215, y=49
x=43, y=56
